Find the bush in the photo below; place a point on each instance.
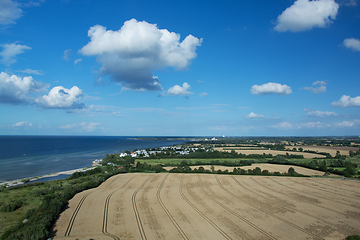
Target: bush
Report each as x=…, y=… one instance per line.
x=12, y=206
x=353, y=237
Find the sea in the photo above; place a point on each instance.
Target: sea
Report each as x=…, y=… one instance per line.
x=31, y=156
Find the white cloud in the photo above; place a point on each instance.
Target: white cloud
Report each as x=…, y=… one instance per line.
x=60, y=97
x=82, y=127
x=271, y=88
x=67, y=54
x=287, y=125
x=283, y=125
x=313, y=113
x=304, y=15
x=77, y=61
x=317, y=90
x=9, y=12
x=254, y=115
x=346, y=101
x=130, y=54
x=32, y=3
x=349, y=3
x=203, y=94
x=17, y=90
x=10, y=51
x=31, y=71
x=352, y=43
x=179, y=91
x=347, y=123
x=310, y=125
x=22, y=124
x=319, y=83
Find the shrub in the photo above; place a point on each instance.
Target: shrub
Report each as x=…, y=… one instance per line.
x=12, y=206
x=353, y=237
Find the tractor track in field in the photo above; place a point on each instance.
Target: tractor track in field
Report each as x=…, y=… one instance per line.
x=106, y=211
x=136, y=211
x=270, y=214
x=268, y=235
x=200, y=213
x=167, y=211
x=73, y=216
x=319, y=188
x=280, y=205
x=357, y=194
x=329, y=209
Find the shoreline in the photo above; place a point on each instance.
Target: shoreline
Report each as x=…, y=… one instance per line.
x=22, y=181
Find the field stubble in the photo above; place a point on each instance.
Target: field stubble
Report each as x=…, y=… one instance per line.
x=209, y=206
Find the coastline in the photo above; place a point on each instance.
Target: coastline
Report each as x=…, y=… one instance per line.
x=22, y=181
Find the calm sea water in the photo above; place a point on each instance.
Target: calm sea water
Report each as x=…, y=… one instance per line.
x=30, y=156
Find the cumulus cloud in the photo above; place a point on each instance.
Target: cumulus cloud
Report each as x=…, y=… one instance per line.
x=347, y=101
x=321, y=88
x=304, y=15
x=254, y=115
x=10, y=51
x=352, y=43
x=131, y=53
x=60, y=97
x=203, y=94
x=313, y=113
x=17, y=90
x=9, y=12
x=179, y=91
x=271, y=88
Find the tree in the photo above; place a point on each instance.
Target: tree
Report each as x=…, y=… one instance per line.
x=350, y=169
x=257, y=171
x=184, y=163
x=351, y=153
x=322, y=166
x=292, y=171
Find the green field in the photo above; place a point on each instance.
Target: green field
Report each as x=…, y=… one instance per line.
x=169, y=161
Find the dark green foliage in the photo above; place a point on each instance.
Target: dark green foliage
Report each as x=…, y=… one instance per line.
x=353, y=237
x=291, y=171
x=12, y=206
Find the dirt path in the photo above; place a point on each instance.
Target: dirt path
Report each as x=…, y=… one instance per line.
x=206, y=206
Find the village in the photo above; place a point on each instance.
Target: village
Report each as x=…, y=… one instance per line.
x=167, y=150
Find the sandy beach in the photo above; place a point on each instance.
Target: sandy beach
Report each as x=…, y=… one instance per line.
x=31, y=179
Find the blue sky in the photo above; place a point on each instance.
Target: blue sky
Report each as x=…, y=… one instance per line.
x=189, y=68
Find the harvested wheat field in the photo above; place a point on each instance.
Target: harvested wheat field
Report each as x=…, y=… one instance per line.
x=207, y=206
x=273, y=152
x=330, y=150
x=265, y=166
